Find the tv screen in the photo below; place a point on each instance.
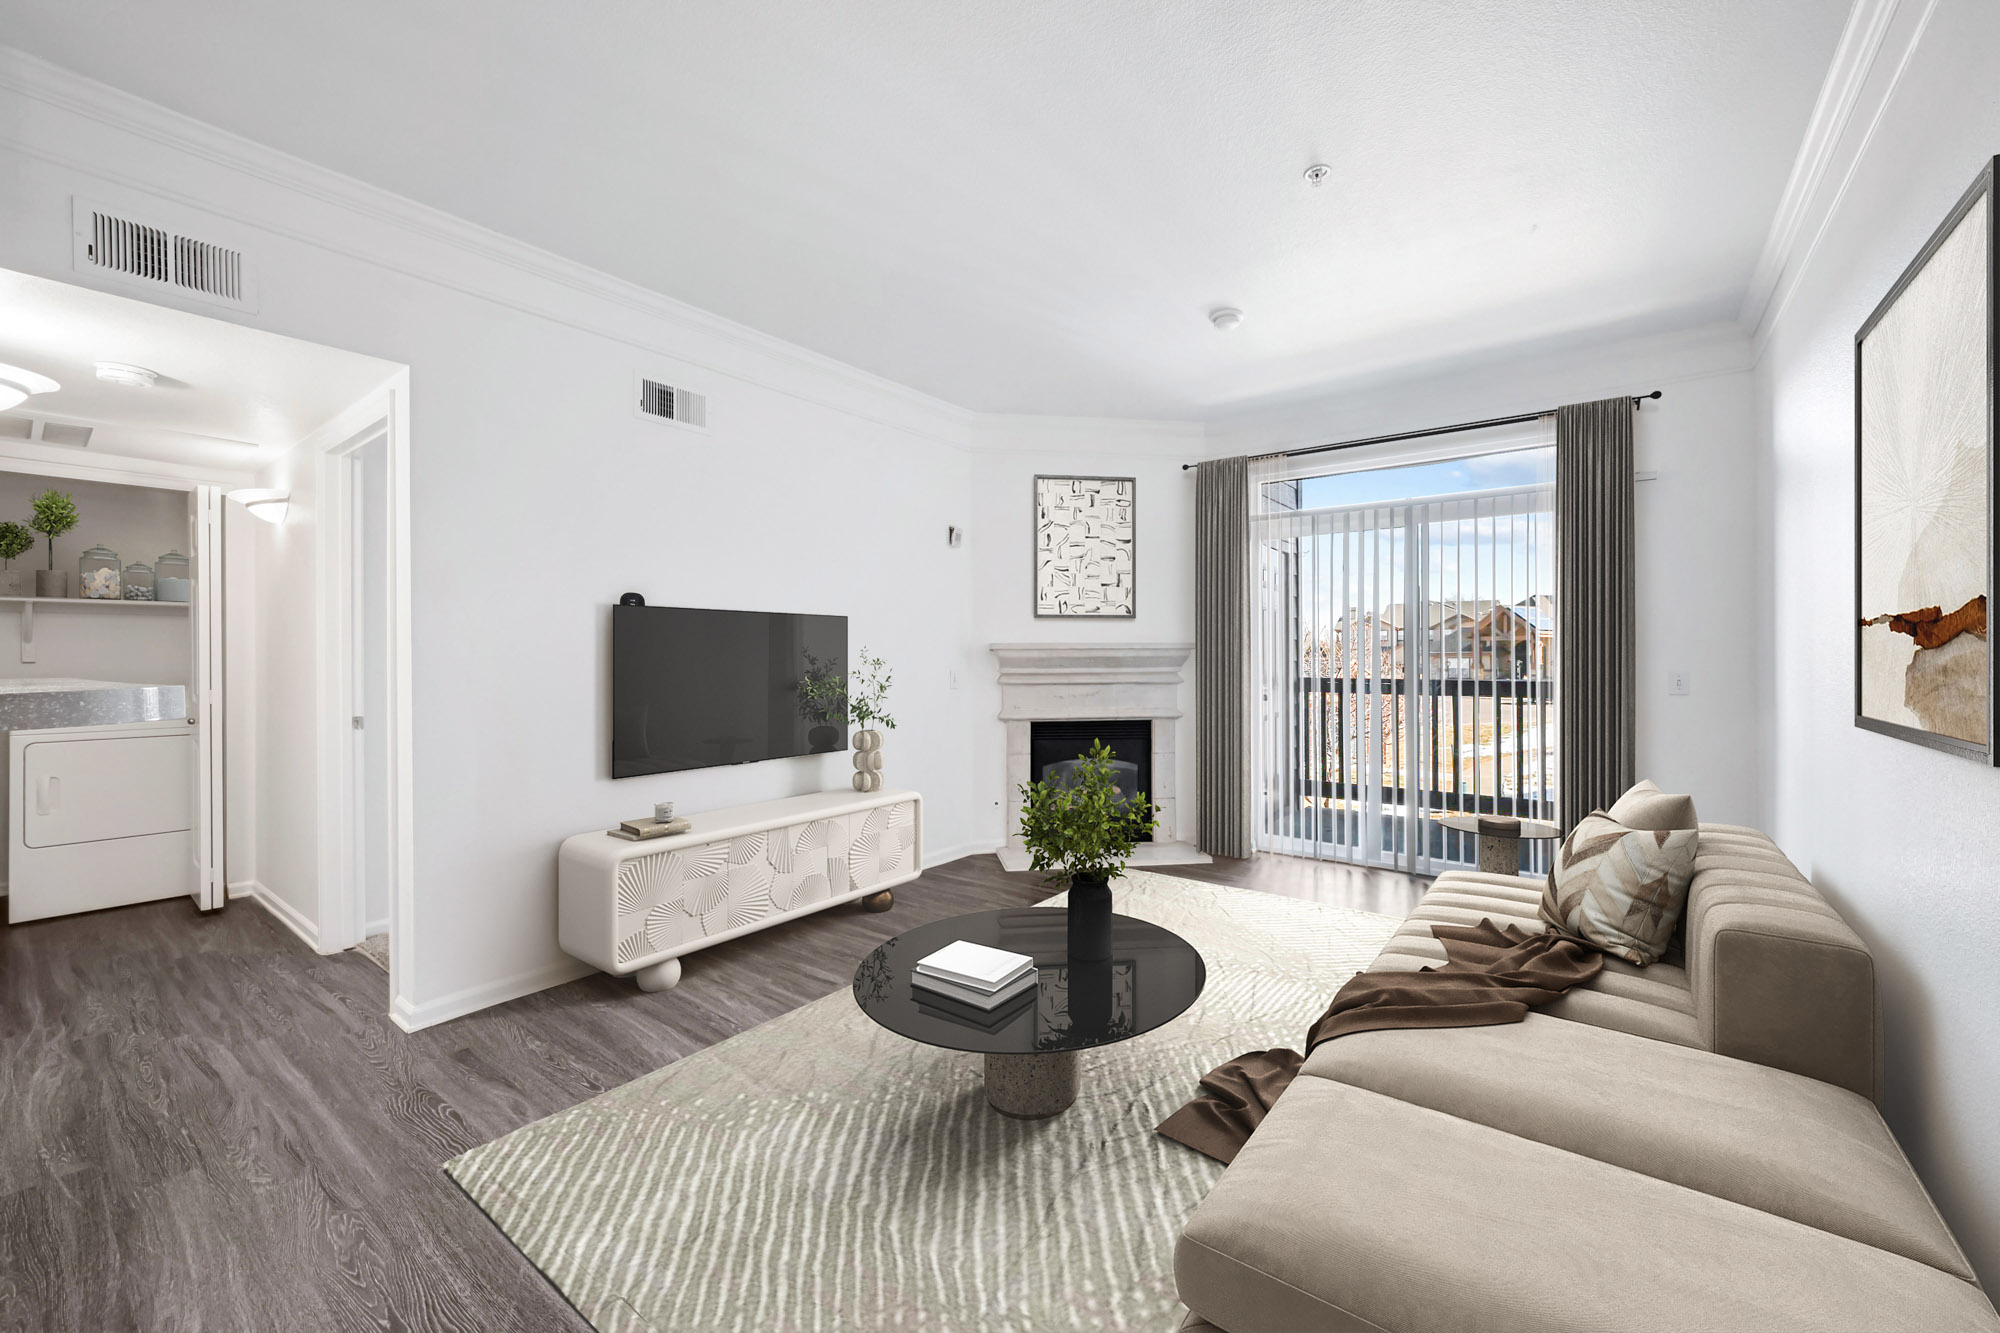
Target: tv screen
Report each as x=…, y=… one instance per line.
x=694, y=688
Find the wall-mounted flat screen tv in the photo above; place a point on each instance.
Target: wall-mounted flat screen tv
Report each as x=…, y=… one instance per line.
x=693, y=688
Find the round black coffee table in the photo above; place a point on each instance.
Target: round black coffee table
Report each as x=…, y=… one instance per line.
x=1030, y=1044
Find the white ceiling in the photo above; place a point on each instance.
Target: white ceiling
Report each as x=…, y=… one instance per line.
x=1029, y=205
x=228, y=397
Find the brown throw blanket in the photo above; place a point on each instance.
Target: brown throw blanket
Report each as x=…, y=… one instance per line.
x=1495, y=975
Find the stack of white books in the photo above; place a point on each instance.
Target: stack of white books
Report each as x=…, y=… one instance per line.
x=974, y=974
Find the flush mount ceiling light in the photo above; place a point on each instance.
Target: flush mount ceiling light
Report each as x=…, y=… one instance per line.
x=267, y=505
x=17, y=384
x=118, y=372
x=1225, y=317
x=1317, y=173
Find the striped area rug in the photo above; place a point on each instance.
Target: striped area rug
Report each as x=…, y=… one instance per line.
x=820, y=1173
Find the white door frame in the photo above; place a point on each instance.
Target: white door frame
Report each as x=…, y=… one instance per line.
x=343, y=905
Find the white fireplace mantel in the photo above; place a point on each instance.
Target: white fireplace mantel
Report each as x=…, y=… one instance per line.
x=1062, y=682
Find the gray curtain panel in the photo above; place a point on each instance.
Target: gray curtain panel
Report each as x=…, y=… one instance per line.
x=1595, y=595
x=1222, y=653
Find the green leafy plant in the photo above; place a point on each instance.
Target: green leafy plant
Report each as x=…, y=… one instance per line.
x=1079, y=825
x=822, y=691
x=55, y=514
x=867, y=690
x=15, y=539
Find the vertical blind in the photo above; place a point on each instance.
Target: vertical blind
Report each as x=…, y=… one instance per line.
x=1402, y=668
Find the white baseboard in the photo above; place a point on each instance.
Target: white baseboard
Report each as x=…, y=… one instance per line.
x=415, y=1017
x=950, y=854
x=294, y=919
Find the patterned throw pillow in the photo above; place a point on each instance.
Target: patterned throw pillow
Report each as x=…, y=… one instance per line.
x=1620, y=889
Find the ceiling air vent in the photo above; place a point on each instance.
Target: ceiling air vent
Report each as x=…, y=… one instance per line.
x=17, y=428
x=657, y=399
x=114, y=241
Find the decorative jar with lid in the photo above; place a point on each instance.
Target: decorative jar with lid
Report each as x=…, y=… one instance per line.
x=99, y=570
x=138, y=582
x=170, y=577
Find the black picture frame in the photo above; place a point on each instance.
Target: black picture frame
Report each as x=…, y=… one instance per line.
x=1034, y=549
x=1988, y=750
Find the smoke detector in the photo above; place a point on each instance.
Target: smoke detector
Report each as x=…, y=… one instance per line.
x=1317, y=173
x=1225, y=317
x=135, y=377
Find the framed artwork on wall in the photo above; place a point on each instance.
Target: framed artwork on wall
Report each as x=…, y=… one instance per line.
x=1924, y=491
x=1086, y=547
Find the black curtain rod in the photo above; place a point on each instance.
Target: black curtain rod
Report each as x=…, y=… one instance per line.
x=1435, y=430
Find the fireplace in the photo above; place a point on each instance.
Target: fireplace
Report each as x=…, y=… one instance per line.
x=1055, y=698
x=1055, y=747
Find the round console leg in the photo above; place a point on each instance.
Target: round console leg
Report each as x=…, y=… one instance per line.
x=660, y=976
x=879, y=902
x=1031, y=1087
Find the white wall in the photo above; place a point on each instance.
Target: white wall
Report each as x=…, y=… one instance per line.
x=1901, y=837
x=537, y=497
x=140, y=523
x=1012, y=451
x=285, y=757
x=1697, y=557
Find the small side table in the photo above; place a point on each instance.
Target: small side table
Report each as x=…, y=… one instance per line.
x=1499, y=839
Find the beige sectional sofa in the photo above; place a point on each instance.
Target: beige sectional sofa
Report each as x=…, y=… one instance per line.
x=1689, y=1146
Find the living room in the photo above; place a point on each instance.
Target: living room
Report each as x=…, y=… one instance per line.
x=926, y=287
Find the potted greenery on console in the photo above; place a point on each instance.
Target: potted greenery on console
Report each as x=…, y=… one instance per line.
x=1080, y=831
x=858, y=697
x=15, y=540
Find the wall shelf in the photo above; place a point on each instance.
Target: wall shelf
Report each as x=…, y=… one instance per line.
x=27, y=607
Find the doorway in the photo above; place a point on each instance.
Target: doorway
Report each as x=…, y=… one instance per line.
x=1404, y=656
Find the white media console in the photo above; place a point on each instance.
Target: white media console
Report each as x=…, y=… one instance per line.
x=636, y=907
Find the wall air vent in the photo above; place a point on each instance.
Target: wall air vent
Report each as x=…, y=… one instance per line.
x=664, y=401
x=61, y=432
x=148, y=251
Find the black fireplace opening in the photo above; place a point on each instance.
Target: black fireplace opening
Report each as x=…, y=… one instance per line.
x=1054, y=748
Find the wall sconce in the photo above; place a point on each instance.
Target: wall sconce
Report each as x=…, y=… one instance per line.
x=267, y=505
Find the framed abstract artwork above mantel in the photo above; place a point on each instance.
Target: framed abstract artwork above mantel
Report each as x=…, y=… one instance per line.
x=1086, y=547
x=1924, y=491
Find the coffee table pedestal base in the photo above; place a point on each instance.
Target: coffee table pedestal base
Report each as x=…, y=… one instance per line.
x=1031, y=1087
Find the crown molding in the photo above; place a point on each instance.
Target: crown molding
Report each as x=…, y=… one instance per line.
x=1003, y=433
x=1868, y=64
x=32, y=78
x=1531, y=379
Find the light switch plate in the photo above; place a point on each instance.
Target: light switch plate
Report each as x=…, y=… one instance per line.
x=1679, y=682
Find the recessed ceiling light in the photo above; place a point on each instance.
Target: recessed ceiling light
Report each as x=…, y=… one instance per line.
x=16, y=384
x=117, y=372
x=1225, y=317
x=1317, y=173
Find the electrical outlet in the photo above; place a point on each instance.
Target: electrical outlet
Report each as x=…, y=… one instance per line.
x=1679, y=682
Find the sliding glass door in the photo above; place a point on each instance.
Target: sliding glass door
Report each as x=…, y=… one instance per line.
x=1404, y=660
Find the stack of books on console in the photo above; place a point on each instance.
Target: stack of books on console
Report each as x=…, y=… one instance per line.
x=973, y=974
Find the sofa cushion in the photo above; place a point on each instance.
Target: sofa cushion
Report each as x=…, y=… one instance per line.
x=1619, y=888
x=1353, y=1210
x=1646, y=806
x=1782, y=1144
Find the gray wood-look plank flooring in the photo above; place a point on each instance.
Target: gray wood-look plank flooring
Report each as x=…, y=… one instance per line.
x=204, y=1125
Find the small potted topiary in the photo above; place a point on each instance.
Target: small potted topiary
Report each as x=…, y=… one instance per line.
x=1080, y=831
x=55, y=514
x=15, y=540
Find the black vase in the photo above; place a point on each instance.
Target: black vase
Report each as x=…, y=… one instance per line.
x=1089, y=918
